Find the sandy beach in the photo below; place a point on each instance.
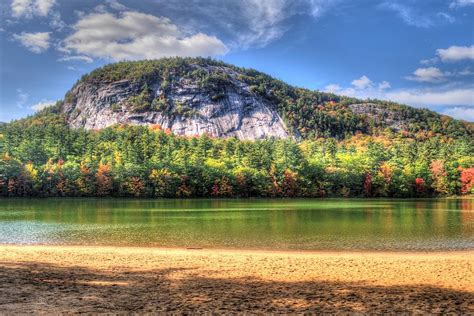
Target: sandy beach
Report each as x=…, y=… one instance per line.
x=51, y=279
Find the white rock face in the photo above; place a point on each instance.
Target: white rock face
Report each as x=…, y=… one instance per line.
x=238, y=113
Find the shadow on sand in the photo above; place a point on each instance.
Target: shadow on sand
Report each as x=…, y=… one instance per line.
x=46, y=288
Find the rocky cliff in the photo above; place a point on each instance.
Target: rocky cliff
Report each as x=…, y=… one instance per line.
x=192, y=96
x=184, y=106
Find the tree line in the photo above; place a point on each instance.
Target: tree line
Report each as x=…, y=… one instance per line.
x=43, y=157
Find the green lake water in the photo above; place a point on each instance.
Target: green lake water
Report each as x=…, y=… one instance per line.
x=304, y=224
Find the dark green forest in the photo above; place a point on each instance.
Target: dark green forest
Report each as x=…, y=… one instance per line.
x=42, y=156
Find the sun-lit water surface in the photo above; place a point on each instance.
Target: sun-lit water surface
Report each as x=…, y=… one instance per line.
x=305, y=224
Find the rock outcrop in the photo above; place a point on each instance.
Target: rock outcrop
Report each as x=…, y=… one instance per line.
x=190, y=109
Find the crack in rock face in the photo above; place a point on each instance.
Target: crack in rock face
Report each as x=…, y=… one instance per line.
x=189, y=111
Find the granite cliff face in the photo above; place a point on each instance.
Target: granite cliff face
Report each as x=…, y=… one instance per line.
x=183, y=106
x=195, y=96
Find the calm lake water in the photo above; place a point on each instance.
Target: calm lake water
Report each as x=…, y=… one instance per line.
x=336, y=224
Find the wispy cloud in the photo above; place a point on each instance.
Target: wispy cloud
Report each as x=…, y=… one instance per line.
x=428, y=97
x=429, y=61
x=415, y=15
x=246, y=23
x=460, y=112
x=384, y=85
x=35, y=42
x=333, y=88
x=447, y=17
x=114, y=4
x=408, y=14
x=85, y=59
x=447, y=95
x=21, y=98
x=461, y=3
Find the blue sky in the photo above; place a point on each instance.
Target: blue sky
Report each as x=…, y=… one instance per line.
x=417, y=52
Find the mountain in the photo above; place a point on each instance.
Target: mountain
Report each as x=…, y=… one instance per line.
x=193, y=96
x=117, y=134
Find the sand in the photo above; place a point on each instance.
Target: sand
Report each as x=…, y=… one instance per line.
x=52, y=279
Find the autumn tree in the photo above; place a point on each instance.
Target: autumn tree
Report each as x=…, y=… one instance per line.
x=103, y=180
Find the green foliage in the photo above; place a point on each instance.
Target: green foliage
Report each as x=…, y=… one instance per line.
x=115, y=107
x=43, y=157
x=183, y=109
x=141, y=102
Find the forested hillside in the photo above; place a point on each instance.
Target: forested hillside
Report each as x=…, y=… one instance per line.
x=42, y=156
x=330, y=145
x=224, y=100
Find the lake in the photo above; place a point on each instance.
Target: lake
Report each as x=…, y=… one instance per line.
x=284, y=224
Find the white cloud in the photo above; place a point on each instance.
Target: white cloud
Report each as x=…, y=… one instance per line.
x=461, y=3
x=30, y=8
x=73, y=68
x=456, y=53
x=56, y=22
x=430, y=74
x=21, y=7
x=114, y=4
x=134, y=35
x=85, y=59
x=332, y=88
x=43, y=6
x=21, y=98
x=42, y=105
x=446, y=95
x=384, y=85
x=35, y=42
x=362, y=83
x=362, y=88
x=466, y=72
x=429, y=61
x=461, y=113
x=460, y=96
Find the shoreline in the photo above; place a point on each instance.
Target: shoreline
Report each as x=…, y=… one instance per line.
x=87, y=279
x=202, y=198
x=415, y=252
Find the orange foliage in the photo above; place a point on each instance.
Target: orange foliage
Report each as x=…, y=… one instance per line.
x=437, y=168
x=155, y=127
x=467, y=180
x=103, y=180
x=387, y=172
